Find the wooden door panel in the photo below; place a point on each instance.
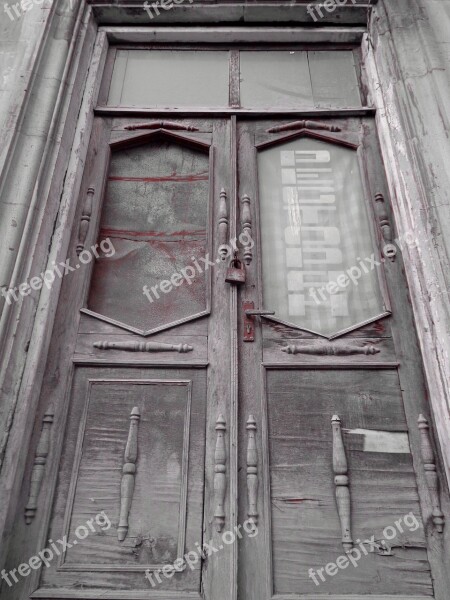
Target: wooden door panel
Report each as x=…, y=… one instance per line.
x=166, y=512
x=305, y=524
x=316, y=211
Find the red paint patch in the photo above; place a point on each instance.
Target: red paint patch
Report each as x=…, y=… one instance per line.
x=173, y=177
x=107, y=232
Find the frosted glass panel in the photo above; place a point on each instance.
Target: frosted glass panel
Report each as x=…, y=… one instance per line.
x=317, y=253
x=169, y=78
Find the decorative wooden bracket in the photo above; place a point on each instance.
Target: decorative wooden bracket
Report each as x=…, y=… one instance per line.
x=220, y=479
x=128, y=474
x=223, y=224
x=40, y=460
x=341, y=481
x=85, y=220
x=389, y=250
x=331, y=349
x=252, y=472
x=430, y=473
x=143, y=346
x=161, y=125
x=303, y=125
x=247, y=227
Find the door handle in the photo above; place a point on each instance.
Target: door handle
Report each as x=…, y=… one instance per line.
x=252, y=312
x=252, y=472
x=249, y=324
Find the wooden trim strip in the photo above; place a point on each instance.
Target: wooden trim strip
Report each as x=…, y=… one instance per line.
x=116, y=111
x=236, y=34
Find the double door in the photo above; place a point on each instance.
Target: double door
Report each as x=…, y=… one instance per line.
x=276, y=420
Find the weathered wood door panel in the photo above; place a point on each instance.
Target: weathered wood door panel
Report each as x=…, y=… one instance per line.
x=169, y=405
x=329, y=422
x=134, y=383
x=159, y=511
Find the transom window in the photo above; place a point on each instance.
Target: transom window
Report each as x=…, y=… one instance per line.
x=218, y=78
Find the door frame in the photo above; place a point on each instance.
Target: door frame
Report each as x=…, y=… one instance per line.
x=92, y=65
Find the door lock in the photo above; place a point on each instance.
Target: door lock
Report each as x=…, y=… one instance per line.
x=249, y=323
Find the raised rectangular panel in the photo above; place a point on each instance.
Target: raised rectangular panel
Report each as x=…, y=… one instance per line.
x=306, y=524
x=146, y=473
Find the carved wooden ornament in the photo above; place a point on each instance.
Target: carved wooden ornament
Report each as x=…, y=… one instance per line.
x=331, y=349
x=220, y=479
x=40, y=460
x=85, y=220
x=143, y=346
x=161, y=125
x=430, y=473
x=128, y=474
x=389, y=250
x=223, y=225
x=252, y=471
x=303, y=125
x=246, y=219
x=341, y=481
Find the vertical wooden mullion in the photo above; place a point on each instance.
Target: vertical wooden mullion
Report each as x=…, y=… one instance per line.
x=235, y=85
x=234, y=379
x=219, y=568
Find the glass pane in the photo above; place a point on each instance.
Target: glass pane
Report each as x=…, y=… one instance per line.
x=155, y=213
x=333, y=78
x=169, y=78
x=288, y=79
x=317, y=251
x=275, y=79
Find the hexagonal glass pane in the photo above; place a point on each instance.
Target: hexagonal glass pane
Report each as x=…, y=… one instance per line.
x=317, y=251
x=155, y=212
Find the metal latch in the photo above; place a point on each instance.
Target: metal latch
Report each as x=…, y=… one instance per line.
x=249, y=324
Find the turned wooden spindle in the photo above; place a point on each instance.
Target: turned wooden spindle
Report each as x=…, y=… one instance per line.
x=247, y=227
x=252, y=471
x=431, y=476
x=223, y=225
x=220, y=480
x=40, y=460
x=128, y=474
x=341, y=481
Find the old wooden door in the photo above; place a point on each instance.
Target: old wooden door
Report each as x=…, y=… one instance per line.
x=136, y=394
x=177, y=414
x=335, y=463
